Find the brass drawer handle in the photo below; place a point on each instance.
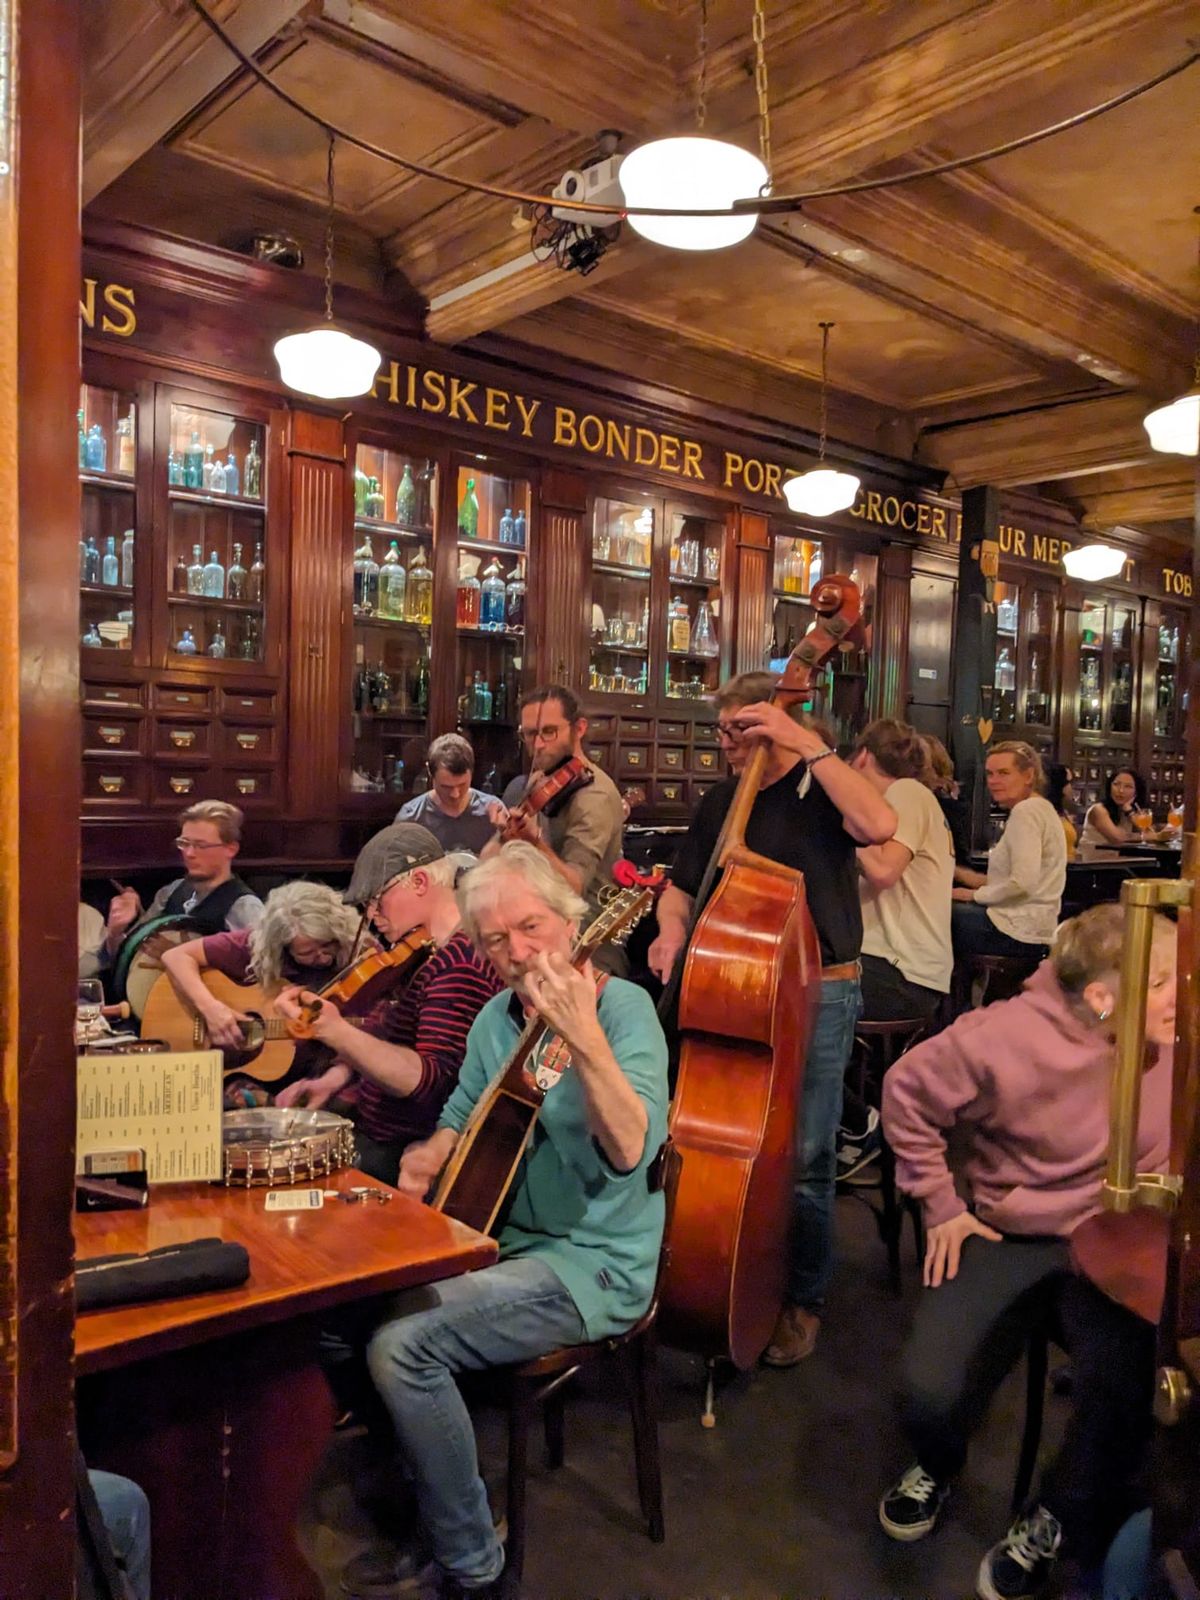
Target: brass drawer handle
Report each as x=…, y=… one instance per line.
x=112, y=735
x=634, y=758
x=671, y=758
x=112, y=785
x=707, y=758
x=670, y=791
x=250, y=705
x=183, y=738
x=183, y=785
x=183, y=699
x=249, y=741
x=247, y=785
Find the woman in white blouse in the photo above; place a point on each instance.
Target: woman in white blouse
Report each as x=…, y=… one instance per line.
x=1013, y=909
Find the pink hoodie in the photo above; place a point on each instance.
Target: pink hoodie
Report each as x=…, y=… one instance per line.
x=1029, y=1081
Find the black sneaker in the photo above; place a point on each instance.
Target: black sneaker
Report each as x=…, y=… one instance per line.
x=911, y=1507
x=856, y=1151
x=1021, y=1565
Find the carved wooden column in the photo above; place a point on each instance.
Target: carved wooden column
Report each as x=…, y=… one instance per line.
x=318, y=589
x=751, y=590
x=558, y=592
x=889, y=646
x=975, y=650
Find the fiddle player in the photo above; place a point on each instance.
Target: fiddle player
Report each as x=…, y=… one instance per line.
x=579, y=1251
x=811, y=813
x=409, y=1047
x=581, y=834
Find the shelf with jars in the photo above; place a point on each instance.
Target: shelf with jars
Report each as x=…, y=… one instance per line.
x=623, y=547
x=1109, y=628
x=394, y=527
x=695, y=545
x=107, y=421
x=1027, y=661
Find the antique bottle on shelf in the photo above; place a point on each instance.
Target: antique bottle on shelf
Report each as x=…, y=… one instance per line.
x=110, y=566
x=675, y=559
x=127, y=559
x=91, y=562
x=216, y=648
x=186, y=644
x=392, y=583
x=712, y=563
x=1173, y=648
x=468, y=512
x=381, y=691
x=83, y=438
x=418, y=601
x=97, y=449
x=492, y=599
x=174, y=471
x=206, y=469
x=83, y=559
x=514, y=600
x=477, y=696
x=366, y=576
x=362, y=484
x=421, y=686
x=251, y=646
x=485, y=702
x=216, y=478
x=253, y=484
x=1006, y=672
x=424, y=516
x=642, y=637
x=500, y=700
x=195, y=572
x=816, y=567
x=689, y=558
x=193, y=463
x=467, y=596
x=256, y=578
x=232, y=476
x=406, y=497
x=508, y=528
x=126, y=452
x=1036, y=621
x=179, y=575
x=235, y=578
x=91, y=638
x=1164, y=642
x=214, y=578
x=679, y=629
x=373, y=507
x=519, y=529
x=466, y=701
x=704, y=638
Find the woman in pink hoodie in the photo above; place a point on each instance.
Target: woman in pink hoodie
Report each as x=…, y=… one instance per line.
x=1026, y=1085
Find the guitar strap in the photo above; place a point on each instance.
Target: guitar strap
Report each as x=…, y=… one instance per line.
x=553, y=1059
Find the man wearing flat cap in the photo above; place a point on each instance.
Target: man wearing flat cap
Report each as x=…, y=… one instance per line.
x=407, y=1051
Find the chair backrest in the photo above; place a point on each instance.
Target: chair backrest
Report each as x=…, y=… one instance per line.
x=663, y=1175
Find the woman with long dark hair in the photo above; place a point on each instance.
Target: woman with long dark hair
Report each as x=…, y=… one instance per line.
x=1111, y=820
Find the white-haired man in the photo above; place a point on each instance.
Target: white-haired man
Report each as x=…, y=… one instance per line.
x=408, y=1049
x=579, y=1249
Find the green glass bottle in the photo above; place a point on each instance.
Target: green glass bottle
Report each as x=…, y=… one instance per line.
x=406, y=498
x=468, y=512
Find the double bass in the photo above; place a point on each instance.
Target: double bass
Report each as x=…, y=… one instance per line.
x=748, y=988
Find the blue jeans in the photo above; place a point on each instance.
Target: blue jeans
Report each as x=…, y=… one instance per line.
x=829, y=1050
x=125, y=1512
x=511, y=1312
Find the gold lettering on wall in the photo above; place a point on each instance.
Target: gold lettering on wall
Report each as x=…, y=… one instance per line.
x=1177, y=583
x=118, y=314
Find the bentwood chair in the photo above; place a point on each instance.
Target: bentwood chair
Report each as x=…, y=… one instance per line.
x=543, y=1382
x=876, y=1046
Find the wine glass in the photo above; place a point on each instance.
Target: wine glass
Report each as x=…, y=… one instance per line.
x=88, y=1009
x=1175, y=813
x=1142, y=820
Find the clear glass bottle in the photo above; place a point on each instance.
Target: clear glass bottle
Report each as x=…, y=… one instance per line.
x=465, y=702
x=492, y=599
x=83, y=439
x=126, y=449
x=519, y=529
x=508, y=528
x=406, y=498
x=816, y=567
x=486, y=701
x=1006, y=672
x=110, y=566
x=195, y=572
x=477, y=696
x=373, y=508
x=643, y=627
x=97, y=449
x=251, y=646
x=214, y=578
x=1035, y=613
x=468, y=512
x=91, y=562
x=1173, y=648
x=366, y=576
x=83, y=559
x=1006, y=615
x=253, y=472
x=424, y=518
x=514, y=600
x=186, y=644
x=174, y=471
x=466, y=599
x=91, y=638
x=193, y=463
x=421, y=685
x=232, y=475
x=704, y=637
x=127, y=559
x=216, y=648
x=256, y=580
x=362, y=485
x=206, y=469
x=418, y=602
x=235, y=579
x=393, y=580
x=216, y=478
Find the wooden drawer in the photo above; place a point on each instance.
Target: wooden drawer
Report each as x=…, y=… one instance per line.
x=672, y=758
x=676, y=731
x=186, y=740
x=600, y=755
x=175, y=784
x=177, y=697
x=249, y=705
x=250, y=788
x=668, y=792
x=125, y=697
x=103, y=735
x=704, y=733
x=605, y=723
x=633, y=760
x=114, y=783
x=707, y=761
x=250, y=745
x=636, y=728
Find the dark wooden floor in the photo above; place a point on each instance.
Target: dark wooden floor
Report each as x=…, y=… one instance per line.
x=778, y=1502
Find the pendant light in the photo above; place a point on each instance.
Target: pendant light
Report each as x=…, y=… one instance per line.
x=695, y=170
x=325, y=361
x=1092, y=563
x=1174, y=429
x=824, y=490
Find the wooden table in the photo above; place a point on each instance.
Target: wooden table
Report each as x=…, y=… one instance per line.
x=215, y=1402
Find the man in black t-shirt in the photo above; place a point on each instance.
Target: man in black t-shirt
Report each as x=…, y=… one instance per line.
x=812, y=812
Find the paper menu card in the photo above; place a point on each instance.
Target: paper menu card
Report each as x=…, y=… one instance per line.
x=168, y=1103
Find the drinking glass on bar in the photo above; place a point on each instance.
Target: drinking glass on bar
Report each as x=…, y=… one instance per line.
x=89, y=1021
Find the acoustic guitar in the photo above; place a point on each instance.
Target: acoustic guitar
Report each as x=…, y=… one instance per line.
x=269, y=1048
x=476, y=1180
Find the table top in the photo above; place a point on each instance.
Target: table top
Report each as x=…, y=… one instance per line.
x=1125, y=1256
x=300, y=1261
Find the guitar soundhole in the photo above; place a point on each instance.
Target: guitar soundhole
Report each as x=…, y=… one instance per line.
x=254, y=1035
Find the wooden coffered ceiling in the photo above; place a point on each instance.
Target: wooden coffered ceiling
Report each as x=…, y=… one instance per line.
x=1007, y=324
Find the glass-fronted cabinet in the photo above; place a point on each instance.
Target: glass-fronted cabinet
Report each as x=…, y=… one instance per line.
x=395, y=517
x=694, y=610
x=494, y=543
x=108, y=433
x=1170, y=674
x=623, y=540
x=1027, y=663
x=216, y=545
x=1108, y=634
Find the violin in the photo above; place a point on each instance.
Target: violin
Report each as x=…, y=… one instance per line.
x=553, y=790
x=400, y=962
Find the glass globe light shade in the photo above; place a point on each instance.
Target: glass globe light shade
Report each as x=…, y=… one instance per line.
x=1093, y=562
x=327, y=363
x=821, y=492
x=1175, y=428
x=706, y=173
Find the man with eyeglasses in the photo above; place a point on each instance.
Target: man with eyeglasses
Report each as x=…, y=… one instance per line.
x=217, y=901
x=812, y=813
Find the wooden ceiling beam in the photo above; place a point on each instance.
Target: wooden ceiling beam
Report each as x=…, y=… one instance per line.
x=150, y=64
x=1029, y=447
x=1167, y=501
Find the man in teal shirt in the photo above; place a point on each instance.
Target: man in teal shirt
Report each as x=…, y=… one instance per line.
x=579, y=1250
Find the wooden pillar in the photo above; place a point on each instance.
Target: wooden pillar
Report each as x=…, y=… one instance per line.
x=752, y=590
x=39, y=786
x=975, y=650
x=889, y=646
x=558, y=610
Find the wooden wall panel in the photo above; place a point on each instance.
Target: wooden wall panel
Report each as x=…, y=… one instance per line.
x=889, y=647
x=557, y=653
x=317, y=694
x=752, y=591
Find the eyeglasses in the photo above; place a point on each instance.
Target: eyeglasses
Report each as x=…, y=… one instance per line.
x=549, y=731
x=200, y=844
x=732, y=731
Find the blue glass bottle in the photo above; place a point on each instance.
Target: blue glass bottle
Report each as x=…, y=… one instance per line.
x=508, y=528
x=519, y=529
x=232, y=476
x=491, y=599
x=97, y=449
x=110, y=567
x=186, y=645
x=91, y=566
x=485, y=702
x=193, y=464
x=174, y=471
x=82, y=443
x=214, y=579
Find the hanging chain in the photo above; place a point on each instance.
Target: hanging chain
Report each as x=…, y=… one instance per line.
x=329, y=236
x=702, y=69
x=825, y=327
x=760, y=89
